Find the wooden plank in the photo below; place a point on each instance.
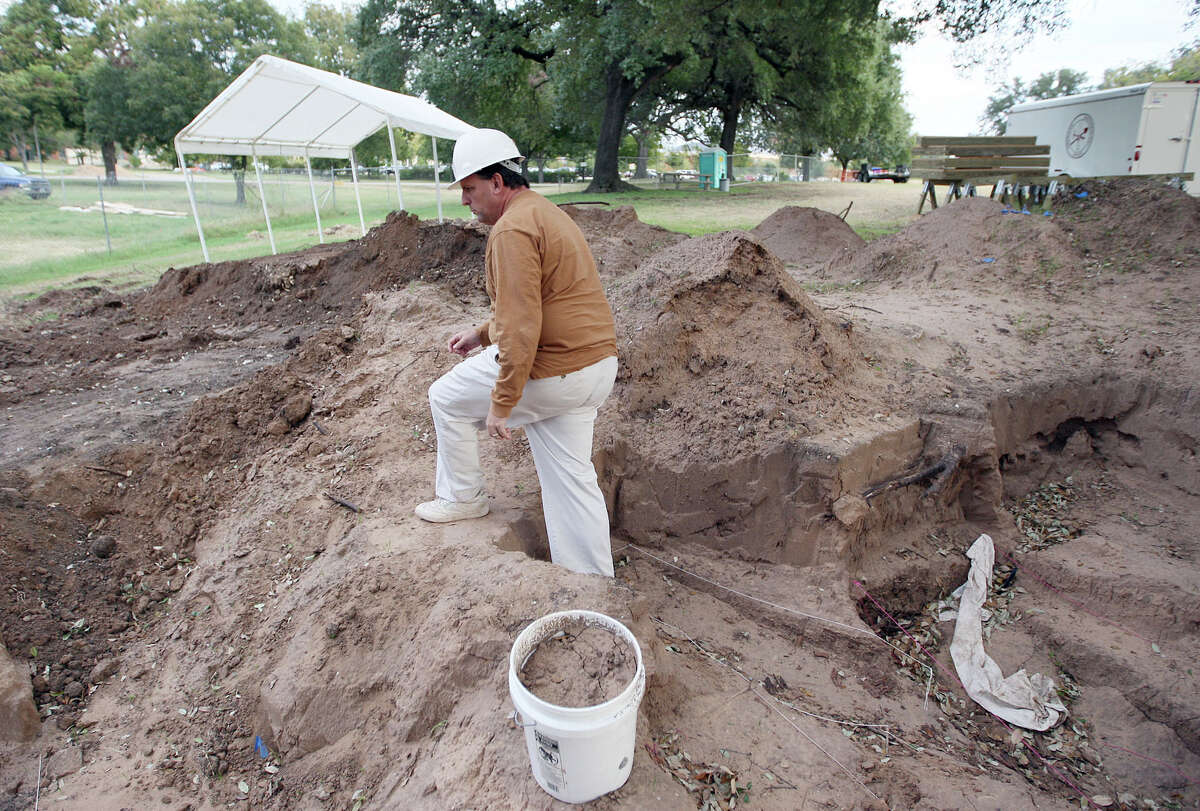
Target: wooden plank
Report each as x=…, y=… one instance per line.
x=1000, y=163
x=996, y=140
x=982, y=178
x=969, y=151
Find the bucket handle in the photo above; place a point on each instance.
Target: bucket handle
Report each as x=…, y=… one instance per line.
x=515, y=717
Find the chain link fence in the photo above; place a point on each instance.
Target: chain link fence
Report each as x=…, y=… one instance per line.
x=681, y=167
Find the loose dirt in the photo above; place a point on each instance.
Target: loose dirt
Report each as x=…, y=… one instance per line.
x=216, y=592
x=581, y=665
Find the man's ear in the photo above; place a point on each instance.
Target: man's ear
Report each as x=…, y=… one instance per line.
x=497, y=183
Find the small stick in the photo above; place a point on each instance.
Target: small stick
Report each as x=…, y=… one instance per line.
x=842, y=216
x=108, y=470
x=352, y=508
x=37, y=795
x=320, y=428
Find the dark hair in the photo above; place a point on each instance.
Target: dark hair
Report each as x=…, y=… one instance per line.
x=514, y=180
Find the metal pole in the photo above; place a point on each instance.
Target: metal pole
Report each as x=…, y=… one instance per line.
x=103, y=213
x=313, y=189
x=187, y=181
x=362, y=224
x=395, y=167
x=263, y=197
x=437, y=178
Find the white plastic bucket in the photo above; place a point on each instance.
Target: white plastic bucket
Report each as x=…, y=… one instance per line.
x=576, y=753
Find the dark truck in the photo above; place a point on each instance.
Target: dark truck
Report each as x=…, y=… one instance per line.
x=868, y=173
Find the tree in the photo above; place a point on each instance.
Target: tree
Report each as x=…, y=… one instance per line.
x=189, y=51
x=1050, y=85
x=38, y=65
x=1183, y=67
x=330, y=31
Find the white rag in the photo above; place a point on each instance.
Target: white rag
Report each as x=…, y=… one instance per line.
x=1027, y=701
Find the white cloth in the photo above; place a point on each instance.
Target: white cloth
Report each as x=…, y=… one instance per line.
x=557, y=414
x=1027, y=701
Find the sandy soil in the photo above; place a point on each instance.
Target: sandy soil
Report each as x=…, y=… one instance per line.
x=216, y=592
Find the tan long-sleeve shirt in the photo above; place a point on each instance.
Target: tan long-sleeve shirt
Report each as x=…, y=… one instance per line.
x=549, y=313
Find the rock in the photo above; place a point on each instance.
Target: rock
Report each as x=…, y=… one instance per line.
x=103, y=546
x=103, y=669
x=850, y=509
x=73, y=689
x=19, y=719
x=278, y=427
x=64, y=762
x=347, y=333
x=297, y=408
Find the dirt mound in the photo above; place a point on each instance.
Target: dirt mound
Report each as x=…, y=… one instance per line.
x=973, y=241
x=721, y=350
x=807, y=238
x=618, y=239
x=1133, y=223
x=299, y=286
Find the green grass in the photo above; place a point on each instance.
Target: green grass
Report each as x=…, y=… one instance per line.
x=45, y=246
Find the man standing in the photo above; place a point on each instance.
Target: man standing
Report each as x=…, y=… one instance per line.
x=549, y=358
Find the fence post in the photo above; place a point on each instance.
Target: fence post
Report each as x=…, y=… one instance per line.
x=104, y=214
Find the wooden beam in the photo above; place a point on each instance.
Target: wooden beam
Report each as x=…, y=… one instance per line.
x=995, y=163
x=995, y=140
x=968, y=151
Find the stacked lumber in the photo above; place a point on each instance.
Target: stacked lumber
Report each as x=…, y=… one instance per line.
x=939, y=158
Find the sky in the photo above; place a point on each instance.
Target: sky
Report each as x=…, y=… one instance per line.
x=945, y=100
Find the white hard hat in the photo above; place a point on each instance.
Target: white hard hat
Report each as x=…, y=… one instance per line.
x=479, y=148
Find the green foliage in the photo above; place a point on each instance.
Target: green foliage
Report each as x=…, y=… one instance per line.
x=1049, y=85
x=1183, y=67
x=330, y=31
x=190, y=50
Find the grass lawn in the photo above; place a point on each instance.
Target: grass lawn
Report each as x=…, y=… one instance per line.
x=50, y=243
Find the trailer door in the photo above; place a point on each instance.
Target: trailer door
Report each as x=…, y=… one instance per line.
x=1165, y=133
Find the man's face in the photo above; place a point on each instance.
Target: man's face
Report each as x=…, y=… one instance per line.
x=485, y=198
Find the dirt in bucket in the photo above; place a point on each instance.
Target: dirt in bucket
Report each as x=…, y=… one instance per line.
x=579, y=666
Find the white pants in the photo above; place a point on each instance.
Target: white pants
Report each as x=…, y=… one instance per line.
x=558, y=414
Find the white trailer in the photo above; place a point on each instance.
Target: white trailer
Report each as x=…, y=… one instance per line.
x=1144, y=129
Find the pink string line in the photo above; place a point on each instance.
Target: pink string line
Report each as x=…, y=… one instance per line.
x=1078, y=605
x=954, y=676
x=1170, y=766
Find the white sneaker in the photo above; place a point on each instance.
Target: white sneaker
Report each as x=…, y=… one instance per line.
x=441, y=511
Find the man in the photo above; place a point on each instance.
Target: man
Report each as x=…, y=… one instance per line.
x=549, y=358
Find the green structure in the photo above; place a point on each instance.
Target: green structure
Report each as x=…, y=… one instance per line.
x=713, y=165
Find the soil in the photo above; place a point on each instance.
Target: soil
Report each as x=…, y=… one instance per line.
x=217, y=588
x=580, y=665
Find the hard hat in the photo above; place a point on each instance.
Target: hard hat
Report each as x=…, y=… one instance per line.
x=479, y=148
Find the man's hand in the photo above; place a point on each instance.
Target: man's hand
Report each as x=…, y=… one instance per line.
x=497, y=427
x=461, y=343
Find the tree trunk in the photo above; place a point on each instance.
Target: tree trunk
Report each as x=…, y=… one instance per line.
x=618, y=95
x=643, y=157
x=108, y=150
x=19, y=139
x=239, y=178
x=541, y=162
x=729, y=124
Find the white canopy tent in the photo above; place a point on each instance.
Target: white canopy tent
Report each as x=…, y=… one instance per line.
x=277, y=107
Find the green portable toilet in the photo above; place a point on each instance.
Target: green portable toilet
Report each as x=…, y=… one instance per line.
x=713, y=163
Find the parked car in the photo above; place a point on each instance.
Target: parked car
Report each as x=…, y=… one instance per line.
x=11, y=178
x=898, y=175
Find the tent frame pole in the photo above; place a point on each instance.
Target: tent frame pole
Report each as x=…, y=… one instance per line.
x=437, y=178
x=187, y=181
x=313, y=190
x=263, y=197
x=362, y=224
x=395, y=167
